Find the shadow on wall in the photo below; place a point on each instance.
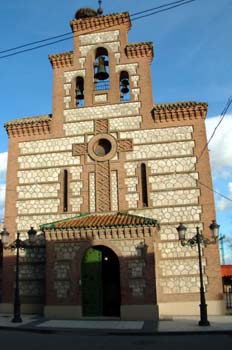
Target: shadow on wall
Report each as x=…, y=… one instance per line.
x=77, y=273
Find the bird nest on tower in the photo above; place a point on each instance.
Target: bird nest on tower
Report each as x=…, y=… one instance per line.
x=85, y=13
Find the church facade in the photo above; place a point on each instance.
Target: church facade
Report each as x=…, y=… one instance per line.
x=105, y=180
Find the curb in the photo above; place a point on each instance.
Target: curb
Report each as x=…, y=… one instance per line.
x=97, y=332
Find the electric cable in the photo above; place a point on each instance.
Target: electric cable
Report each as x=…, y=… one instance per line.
x=174, y=4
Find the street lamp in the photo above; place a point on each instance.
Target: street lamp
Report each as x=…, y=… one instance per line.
x=199, y=240
x=16, y=245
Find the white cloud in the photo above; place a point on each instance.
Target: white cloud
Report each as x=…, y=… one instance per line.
x=223, y=204
x=230, y=186
x=221, y=144
x=2, y=199
x=3, y=164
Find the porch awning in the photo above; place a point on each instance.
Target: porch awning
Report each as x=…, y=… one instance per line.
x=101, y=221
x=226, y=270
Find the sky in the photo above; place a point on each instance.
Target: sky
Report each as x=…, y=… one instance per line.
x=192, y=61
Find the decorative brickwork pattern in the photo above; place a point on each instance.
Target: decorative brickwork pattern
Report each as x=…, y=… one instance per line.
x=135, y=50
x=124, y=145
x=101, y=126
x=101, y=22
x=61, y=60
x=80, y=149
x=103, y=186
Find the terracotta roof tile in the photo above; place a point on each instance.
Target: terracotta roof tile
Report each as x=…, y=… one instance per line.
x=101, y=220
x=226, y=270
x=29, y=120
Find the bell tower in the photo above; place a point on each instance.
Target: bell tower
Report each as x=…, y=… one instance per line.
x=102, y=87
x=103, y=69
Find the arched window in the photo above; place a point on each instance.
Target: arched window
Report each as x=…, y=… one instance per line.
x=101, y=69
x=124, y=86
x=144, y=185
x=65, y=191
x=79, y=92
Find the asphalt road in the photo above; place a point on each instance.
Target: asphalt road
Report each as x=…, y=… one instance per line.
x=16, y=340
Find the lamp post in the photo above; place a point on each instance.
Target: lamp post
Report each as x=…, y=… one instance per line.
x=199, y=240
x=16, y=245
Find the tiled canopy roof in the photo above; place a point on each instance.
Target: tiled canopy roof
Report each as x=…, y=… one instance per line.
x=179, y=104
x=101, y=220
x=29, y=120
x=226, y=270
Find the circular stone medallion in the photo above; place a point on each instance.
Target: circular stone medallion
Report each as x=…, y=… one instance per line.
x=102, y=147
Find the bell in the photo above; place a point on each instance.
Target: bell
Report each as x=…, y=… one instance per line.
x=101, y=73
x=79, y=94
x=124, y=85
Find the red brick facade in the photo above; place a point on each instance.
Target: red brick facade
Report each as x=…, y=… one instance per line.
x=111, y=155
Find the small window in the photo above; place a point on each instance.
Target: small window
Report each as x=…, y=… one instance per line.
x=124, y=87
x=101, y=70
x=79, y=92
x=144, y=185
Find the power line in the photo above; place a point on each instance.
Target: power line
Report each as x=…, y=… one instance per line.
x=160, y=8
x=35, y=42
x=155, y=8
x=223, y=114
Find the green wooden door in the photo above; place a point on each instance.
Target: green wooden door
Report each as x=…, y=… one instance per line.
x=92, y=304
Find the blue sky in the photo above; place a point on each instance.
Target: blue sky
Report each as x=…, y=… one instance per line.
x=193, y=56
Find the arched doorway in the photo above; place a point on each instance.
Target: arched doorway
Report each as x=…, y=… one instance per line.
x=100, y=276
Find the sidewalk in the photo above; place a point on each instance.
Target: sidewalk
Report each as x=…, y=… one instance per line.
x=177, y=325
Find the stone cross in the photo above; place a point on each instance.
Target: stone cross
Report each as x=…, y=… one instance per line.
x=101, y=148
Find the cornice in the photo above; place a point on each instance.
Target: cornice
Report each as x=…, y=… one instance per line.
x=100, y=22
x=29, y=126
x=61, y=234
x=61, y=60
x=143, y=49
x=165, y=112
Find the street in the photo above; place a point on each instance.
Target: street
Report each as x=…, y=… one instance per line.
x=71, y=340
